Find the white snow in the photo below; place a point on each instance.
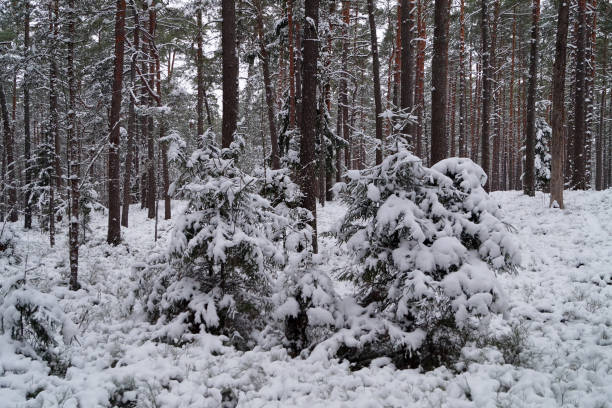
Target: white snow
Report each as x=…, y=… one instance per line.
x=561, y=297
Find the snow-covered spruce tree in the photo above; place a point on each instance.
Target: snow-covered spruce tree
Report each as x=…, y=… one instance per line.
x=427, y=242
x=542, y=154
x=220, y=255
x=36, y=321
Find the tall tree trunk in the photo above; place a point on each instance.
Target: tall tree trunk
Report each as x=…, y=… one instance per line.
x=309, y=114
x=512, y=151
x=600, y=143
x=439, y=73
x=494, y=179
x=291, y=65
x=10, y=176
x=420, y=77
x=114, y=177
x=344, y=84
x=73, y=153
x=579, y=169
x=462, y=87
x=230, y=72
x=529, y=175
x=127, y=178
x=558, y=90
x=26, y=124
x=407, y=63
x=151, y=168
x=265, y=61
x=376, y=73
x=486, y=91
x=200, y=75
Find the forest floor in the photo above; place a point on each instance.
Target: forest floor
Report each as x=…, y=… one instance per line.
x=560, y=313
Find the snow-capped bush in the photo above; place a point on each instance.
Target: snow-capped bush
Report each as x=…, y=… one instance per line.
x=305, y=303
x=285, y=198
x=7, y=244
x=220, y=255
x=542, y=154
x=34, y=319
x=428, y=242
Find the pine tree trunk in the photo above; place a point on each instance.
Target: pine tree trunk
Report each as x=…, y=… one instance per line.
x=439, y=73
x=114, y=178
x=10, y=176
x=494, y=179
x=27, y=224
x=151, y=168
x=230, y=72
x=127, y=178
x=265, y=61
x=73, y=154
x=486, y=91
x=344, y=84
x=462, y=87
x=529, y=175
x=200, y=75
x=376, y=73
x=292, y=113
x=407, y=63
x=579, y=169
x=309, y=114
x=558, y=90
x=512, y=151
x=600, y=183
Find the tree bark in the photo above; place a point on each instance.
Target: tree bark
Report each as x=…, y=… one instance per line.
x=73, y=154
x=407, y=63
x=579, y=169
x=127, y=178
x=265, y=62
x=529, y=175
x=344, y=84
x=439, y=73
x=10, y=176
x=309, y=114
x=462, y=87
x=600, y=143
x=376, y=73
x=114, y=177
x=27, y=224
x=291, y=65
x=230, y=72
x=486, y=91
x=558, y=90
x=200, y=75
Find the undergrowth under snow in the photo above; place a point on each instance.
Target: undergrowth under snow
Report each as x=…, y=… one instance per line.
x=560, y=312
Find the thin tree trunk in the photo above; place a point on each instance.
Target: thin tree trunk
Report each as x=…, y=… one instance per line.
x=151, y=168
x=407, y=63
x=376, y=73
x=462, y=87
x=486, y=91
x=290, y=23
x=344, y=84
x=579, y=169
x=114, y=177
x=529, y=175
x=600, y=144
x=439, y=73
x=265, y=61
x=10, y=176
x=127, y=178
x=558, y=90
x=230, y=72
x=200, y=75
x=512, y=151
x=73, y=155
x=309, y=114
x=26, y=125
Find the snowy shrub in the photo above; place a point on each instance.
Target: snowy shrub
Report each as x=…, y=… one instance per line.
x=285, y=198
x=542, y=154
x=7, y=244
x=35, y=320
x=220, y=256
x=427, y=242
x=305, y=303
x=88, y=203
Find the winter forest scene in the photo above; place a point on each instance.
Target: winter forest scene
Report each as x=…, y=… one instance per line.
x=306, y=203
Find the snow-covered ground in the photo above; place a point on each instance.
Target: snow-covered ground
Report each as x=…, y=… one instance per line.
x=561, y=311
